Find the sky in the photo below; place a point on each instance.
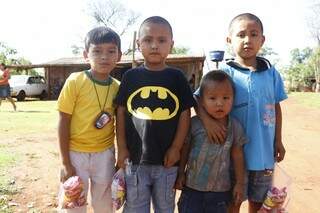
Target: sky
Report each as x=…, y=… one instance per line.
x=45, y=30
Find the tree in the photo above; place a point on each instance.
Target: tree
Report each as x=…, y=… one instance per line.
x=265, y=51
x=269, y=53
x=6, y=53
x=110, y=13
x=113, y=14
x=76, y=50
x=180, y=50
x=314, y=64
x=9, y=56
x=300, y=56
x=314, y=26
x=313, y=21
x=300, y=73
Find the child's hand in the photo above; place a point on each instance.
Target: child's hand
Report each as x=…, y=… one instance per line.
x=216, y=132
x=280, y=151
x=122, y=155
x=172, y=156
x=238, y=193
x=180, y=182
x=66, y=172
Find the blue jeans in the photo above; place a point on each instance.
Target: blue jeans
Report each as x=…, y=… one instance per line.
x=193, y=201
x=148, y=182
x=4, y=91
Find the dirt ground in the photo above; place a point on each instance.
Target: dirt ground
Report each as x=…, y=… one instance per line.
x=36, y=176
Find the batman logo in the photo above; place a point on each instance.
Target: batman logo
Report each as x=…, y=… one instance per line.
x=153, y=103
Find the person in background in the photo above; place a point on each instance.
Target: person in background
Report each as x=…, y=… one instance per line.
x=5, y=92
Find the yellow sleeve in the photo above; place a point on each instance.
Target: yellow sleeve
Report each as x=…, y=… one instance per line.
x=68, y=95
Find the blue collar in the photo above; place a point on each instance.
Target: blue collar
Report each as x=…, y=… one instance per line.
x=262, y=64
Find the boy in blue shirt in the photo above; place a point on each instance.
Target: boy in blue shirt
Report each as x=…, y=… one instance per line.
x=153, y=118
x=259, y=91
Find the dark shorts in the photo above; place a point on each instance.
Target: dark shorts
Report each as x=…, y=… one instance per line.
x=259, y=182
x=191, y=201
x=4, y=91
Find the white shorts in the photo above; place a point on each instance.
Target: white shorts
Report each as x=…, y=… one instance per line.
x=99, y=168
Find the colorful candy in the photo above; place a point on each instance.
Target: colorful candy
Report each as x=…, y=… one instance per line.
x=118, y=189
x=73, y=193
x=274, y=201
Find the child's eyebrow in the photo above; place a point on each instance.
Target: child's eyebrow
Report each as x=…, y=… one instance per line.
x=113, y=47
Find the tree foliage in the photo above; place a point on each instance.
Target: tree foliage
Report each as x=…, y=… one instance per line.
x=6, y=53
x=304, y=68
x=266, y=52
x=300, y=56
x=180, y=50
x=8, y=56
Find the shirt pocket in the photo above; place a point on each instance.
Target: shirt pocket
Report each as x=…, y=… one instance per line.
x=241, y=98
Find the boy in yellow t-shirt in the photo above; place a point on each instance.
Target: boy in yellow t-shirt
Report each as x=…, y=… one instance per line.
x=86, y=123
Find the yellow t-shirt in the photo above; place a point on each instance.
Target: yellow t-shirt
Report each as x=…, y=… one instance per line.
x=79, y=99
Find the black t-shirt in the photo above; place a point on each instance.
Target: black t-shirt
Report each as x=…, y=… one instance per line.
x=154, y=101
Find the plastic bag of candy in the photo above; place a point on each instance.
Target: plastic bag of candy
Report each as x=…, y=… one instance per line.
x=72, y=194
x=118, y=189
x=278, y=196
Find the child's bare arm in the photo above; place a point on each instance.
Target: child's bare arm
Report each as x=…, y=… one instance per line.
x=215, y=131
x=181, y=179
x=123, y=152
x=239, y=169
x=64, y=136
x=173, y=153
x=279, y=148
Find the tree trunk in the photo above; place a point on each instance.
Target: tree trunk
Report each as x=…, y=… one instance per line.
x=317, y=86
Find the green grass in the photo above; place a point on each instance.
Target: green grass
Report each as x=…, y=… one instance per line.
x=30, y=117
x=7, y=159
x=308, y=99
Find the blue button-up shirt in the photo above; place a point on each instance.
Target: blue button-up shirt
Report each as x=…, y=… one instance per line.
x=254, y=106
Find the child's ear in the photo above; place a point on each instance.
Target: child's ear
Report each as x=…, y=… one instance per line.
x=138, y=44
x=85, y=55
x=119, y=56
x=263, y=40
x=228, y=40
x=172, y=44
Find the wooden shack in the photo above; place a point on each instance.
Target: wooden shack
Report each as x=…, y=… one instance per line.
x=56, y=72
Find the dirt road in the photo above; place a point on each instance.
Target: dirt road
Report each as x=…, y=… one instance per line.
x=36, y=174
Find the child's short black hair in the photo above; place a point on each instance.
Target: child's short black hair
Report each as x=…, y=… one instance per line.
x=156, y=20
x=216, y=76
x=247, y=16
x=101, y=35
